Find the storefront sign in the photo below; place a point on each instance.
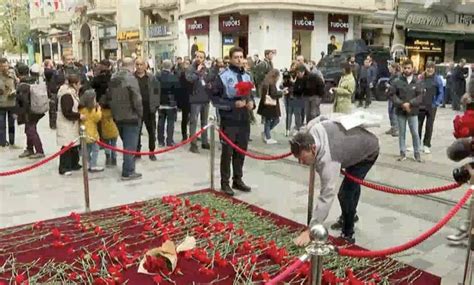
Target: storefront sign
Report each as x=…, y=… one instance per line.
x=466, y=20
x=128, y=35
x=424, y=45
x=338, y=23
x=430, y=20
x=303, y=21
x=158, y=31
x=107, y=32
x=228, y=41
x=197, y=26
x=109, y=44
x=233, y=23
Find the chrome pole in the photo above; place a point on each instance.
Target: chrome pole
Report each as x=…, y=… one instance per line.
x=85, y=173
x=212, y=156
x=318, y=249
x=468, y=268
x=312, y=176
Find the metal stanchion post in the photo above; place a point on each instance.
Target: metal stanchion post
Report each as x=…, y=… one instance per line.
x=312, y=176
x=85, y=173
x=212, y=156
x=318, y=249
x=469, y=268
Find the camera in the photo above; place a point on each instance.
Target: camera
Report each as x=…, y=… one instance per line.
x=461, y=175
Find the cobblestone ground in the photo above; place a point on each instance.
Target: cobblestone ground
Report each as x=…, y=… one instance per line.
x=279, y=186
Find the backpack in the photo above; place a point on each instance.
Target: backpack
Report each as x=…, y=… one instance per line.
x=39, y=101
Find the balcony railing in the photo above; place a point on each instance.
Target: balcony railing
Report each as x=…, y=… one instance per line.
x=101, y=7
x=39, y=23
x=158, y=4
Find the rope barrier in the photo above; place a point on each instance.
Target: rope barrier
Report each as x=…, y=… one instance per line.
x=167, y=149
x=289, y=270
x=412, y=243
x=39, y=163
x=400, y=191
x=251, y=155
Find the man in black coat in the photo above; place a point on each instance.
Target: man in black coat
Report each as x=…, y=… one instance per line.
x=459, y=84
x=182, y=99
x=50, y=75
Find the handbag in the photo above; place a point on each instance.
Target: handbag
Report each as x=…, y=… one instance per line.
x=269, y=101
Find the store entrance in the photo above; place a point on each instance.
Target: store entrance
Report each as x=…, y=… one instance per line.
x=301, y=44
x=229, y=41
x=421, y=51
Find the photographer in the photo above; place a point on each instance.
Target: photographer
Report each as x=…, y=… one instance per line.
x=294, y=103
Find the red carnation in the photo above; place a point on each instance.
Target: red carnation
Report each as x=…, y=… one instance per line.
x=70, y=251
x=19, y=279
x=243, y=88
x=58, y=244
x=56, y=233
x=38, y=225
x=75, y=216
x=157, y=279
x=72, y=276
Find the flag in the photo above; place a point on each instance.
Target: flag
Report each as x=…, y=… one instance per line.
x=37, y=3
x=56, y=5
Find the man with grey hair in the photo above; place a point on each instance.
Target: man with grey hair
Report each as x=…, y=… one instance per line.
x=150, y=91
x=125, y=100
x=170, y=90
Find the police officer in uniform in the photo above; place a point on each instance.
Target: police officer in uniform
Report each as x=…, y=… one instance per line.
x=235, y=119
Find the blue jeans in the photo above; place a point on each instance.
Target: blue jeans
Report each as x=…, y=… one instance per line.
x=93, y=152
x=166, y=117
x=413, y=125
x=392, y=115
x=7, y=116
x=269, y=124
x=295, y=107
x=108, y=152
x=129, y=133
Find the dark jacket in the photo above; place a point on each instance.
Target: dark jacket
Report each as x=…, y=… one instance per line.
x=50, y=76
x=23, y=102
x=314, y=85
x=124, y=98
x=367, y=75
x=404, y=92
x=434, y=92
x=199, y=79
x=230, y=116
x=100, y=83
x=268, y=111
x=459, y=81
x=187, y=89
x=299, y=87
x=170, y=88
x=154, y=92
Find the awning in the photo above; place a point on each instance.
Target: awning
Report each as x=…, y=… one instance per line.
x=444, y=35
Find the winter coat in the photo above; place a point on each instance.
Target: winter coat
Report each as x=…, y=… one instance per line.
x=404, y=92
x=124, y=98
x=343, y=94
x=183, y=99
x=199, y=79
x=314, y=85
x=92, y=118
x=108, y=127
x=434, y=95
x=459, y=81
x=268, y=111
x=68, y=120
x=23, y=102
x=7, y=91
x=154, y=92
x=170, y=88
x=100, y=83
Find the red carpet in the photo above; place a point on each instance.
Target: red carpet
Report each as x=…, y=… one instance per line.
x=104, y=247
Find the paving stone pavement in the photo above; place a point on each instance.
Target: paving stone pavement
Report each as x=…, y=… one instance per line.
x=280, y=187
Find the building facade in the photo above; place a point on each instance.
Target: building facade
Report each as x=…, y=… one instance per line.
x=289, y=28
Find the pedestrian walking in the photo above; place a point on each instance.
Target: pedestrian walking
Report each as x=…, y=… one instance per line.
x=269, y=106
x=182, y=99
x=344, y=91
x=394, y=69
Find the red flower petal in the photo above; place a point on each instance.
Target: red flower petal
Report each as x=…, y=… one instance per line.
x=56, y=233
x=20, y=278
x=157, y=279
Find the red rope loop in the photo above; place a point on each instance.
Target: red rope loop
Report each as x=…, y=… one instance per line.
x=39, y=163
x=288, y=271
x=249, y=154
x=412, y=243
x=400, y=191
x=167, y=149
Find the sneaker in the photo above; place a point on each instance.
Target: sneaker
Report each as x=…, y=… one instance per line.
x=402, y=157
x=338, y=224
x=37, y=156
x=418, y=158
x=96, y=169
x=458, y=237
x=271, y=141
x=348, y=238
x=152, y=157
x=227, y=190
x=206, y=146
x=26, y=153
x=426, y=150
x=240, y=185
x=67, y=173
x=77, y=167
x=194, y=149
x=410, y=149
x=133, y=176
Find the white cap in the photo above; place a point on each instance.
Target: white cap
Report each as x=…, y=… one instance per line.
x=35, y=68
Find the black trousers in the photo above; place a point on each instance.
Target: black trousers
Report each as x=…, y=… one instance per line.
x=240, y=136
x=149, y=120
x=166, y=119
x=349, y=194
x=185, y=111
x=430, y=116
x=365, y=94
x=69, y=160
x=53, y=110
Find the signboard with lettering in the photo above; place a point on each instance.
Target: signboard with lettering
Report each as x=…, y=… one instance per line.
x=338, y=23
x=303, y=21
x=233, y=23
x=107, y=32
x=128, y=35
x=466, y=20
x=158, y=31
x=424, y=45
x=197, y=26
x=429, y=20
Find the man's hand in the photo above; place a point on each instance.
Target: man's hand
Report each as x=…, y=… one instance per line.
x=200, y=67
x=82, y=117
x=406, y=107
x=240, y=104
x=303, y=239
x=250, y=105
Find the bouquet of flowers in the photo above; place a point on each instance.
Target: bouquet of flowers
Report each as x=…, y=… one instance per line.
x=243, y=88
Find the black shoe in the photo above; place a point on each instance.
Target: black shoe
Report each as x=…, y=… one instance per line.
x=338, y=224
x=133, y=176
x=185, y=137
x=162, y=144
x=227, y=190
x=138, y=156
x=348, y=238
x=153, y=157
x=170, y=144
x=114, y=161
x=77, y=167
x=206, y=146
x=240, y=185
x=194, y=149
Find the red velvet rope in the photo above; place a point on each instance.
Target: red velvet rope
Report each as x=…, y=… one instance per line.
x=39, y=163
x=251, y=155
x=288, y=271
x=412, y=243
x=400, y=191
x=131, y=152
